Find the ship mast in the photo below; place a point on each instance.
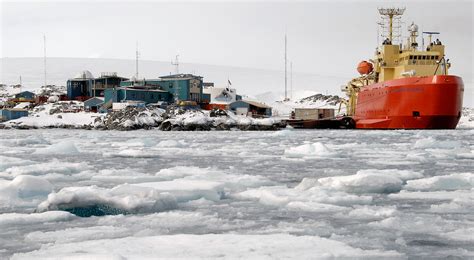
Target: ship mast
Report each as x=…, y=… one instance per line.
x=391, y=14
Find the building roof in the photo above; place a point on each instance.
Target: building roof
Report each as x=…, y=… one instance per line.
x=144, y=89
x=254, y=103
x=180, y=76
x=84, y=75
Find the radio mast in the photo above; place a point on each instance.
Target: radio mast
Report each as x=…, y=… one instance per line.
x=137, y=54
x=44, y=58
x=286, y=76
x=176, y=64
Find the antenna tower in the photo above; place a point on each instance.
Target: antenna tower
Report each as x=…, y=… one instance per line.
x=176, y=64
x=44, y=58
x=286, y=77
x=391, y=23
x=137, y=55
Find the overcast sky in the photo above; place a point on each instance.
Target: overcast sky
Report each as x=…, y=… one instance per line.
x=324, y=37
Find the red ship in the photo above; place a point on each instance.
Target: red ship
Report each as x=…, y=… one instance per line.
x=406, y=86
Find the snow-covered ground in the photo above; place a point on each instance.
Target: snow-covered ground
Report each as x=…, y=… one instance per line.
x=263, y=195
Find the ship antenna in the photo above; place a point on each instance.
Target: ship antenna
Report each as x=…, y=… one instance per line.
x=391, y=13
x=44, y=57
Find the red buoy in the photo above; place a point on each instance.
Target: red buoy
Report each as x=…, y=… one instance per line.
x=365, y=67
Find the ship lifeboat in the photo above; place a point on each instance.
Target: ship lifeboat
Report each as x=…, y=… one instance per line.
x=365, y=67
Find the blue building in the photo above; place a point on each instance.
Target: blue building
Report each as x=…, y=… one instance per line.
x=25, y=95
x=135, y=94
x=93, y=104
x=80, y=87
x=180, y=87
x=12, y=113
x=84, y=85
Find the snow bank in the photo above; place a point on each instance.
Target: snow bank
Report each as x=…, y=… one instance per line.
x=315, y=150
x=10, y=219
x=122, y=199
x=64, y=148
x=227, y=246
x=456, y=181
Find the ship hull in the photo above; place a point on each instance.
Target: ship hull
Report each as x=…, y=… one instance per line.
x=429, y=102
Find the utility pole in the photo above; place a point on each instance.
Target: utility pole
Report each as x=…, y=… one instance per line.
x=44, y=58
x=286, y=79
x=291, y=80
x=137, y=54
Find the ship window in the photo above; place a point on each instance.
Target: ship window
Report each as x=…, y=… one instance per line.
x=411, y=57
x=416, y=113
x=424, y=57
x=437, y=57
x=415, y=57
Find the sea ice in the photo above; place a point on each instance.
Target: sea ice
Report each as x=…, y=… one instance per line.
x=122, y=199
x=316, y=150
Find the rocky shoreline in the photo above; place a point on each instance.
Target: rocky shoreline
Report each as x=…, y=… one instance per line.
x=158, y=119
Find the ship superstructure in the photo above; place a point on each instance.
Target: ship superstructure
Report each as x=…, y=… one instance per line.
x=405, y=85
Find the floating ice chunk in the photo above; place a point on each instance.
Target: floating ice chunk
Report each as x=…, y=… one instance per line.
x=122, y=199
x=430, y=142
x=132, y=153
x=7, y=162
x=364, y=182
x=31, y=186
x=77, y=234
x=403, y=175
x=226, y=246
x=314, y=207
x=456, y=181
x=309, y=150
x=463, y=234
x=171, y=143
x=23, y=191
x=457, y=205
x=65, y=147
x=282, y=133
x=9, y=219
x=186, y=190
x=372, y=212
x=54, y=166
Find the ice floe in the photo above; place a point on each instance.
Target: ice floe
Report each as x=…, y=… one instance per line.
x=314, y=150
x=455, y=181
x=60, y=148
x=122, y=199
x=228, y=246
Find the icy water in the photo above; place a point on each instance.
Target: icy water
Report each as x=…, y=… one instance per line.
x=297, y=194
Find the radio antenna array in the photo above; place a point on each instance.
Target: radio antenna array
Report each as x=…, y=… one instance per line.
x=391, y=23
